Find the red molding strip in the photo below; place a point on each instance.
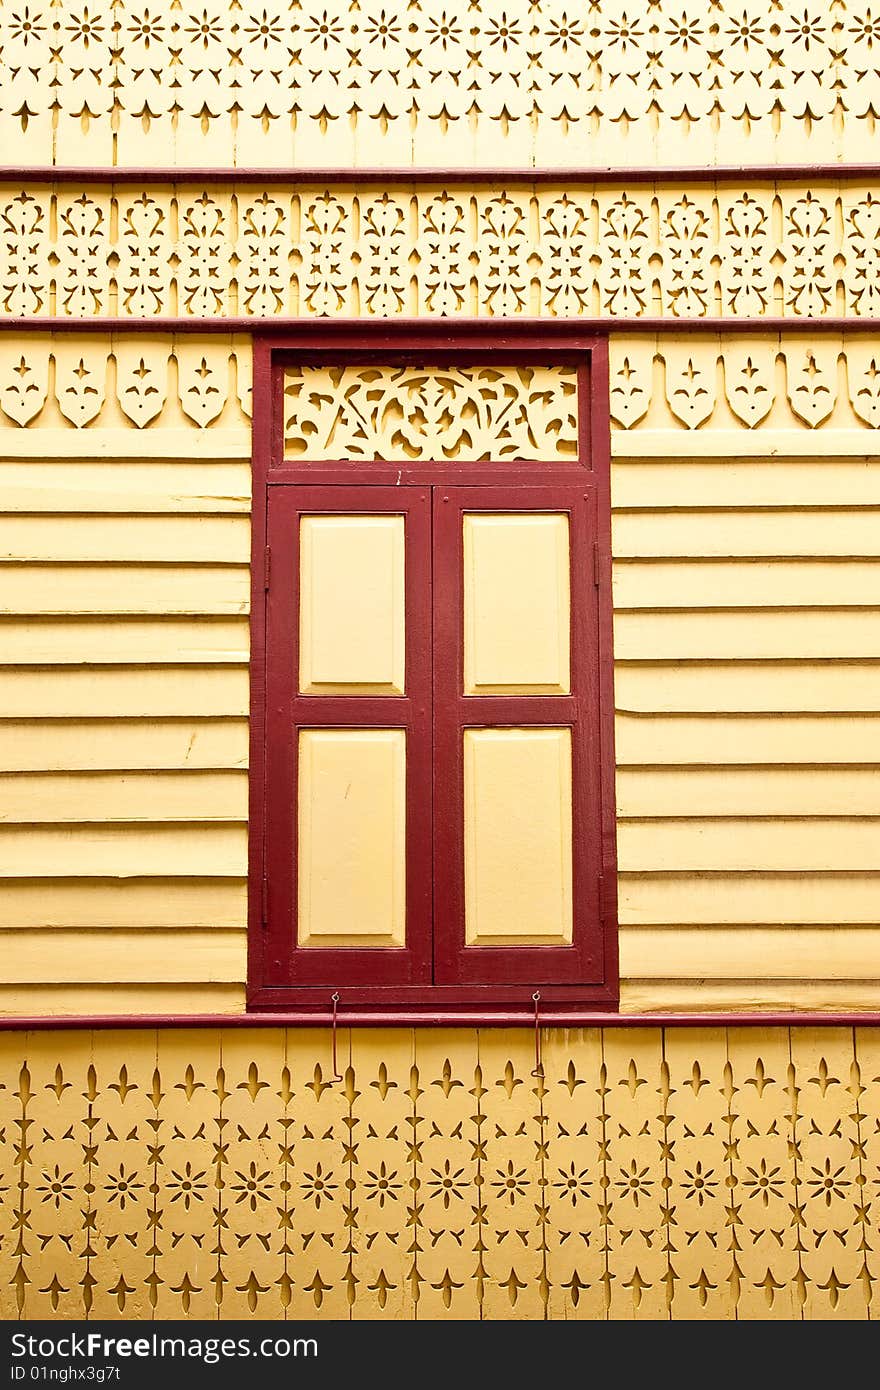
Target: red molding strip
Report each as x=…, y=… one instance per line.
x=503, y=330
x=484, y=177
x=439, y=1018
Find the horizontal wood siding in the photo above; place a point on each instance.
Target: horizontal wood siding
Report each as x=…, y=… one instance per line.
x=123, y=726
x=747, y=633
x=747, y=638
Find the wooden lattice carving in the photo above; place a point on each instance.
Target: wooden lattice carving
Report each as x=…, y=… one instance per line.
x=693, y=382
x=469, y=414
x=285, y=84
x=687, y=1174
x=799, y=250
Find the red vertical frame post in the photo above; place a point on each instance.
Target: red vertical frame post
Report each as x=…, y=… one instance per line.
x=288, y=712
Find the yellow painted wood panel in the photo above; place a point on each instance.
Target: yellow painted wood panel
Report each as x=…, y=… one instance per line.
x=110, y=904
x=101, y=640
x=749, y=995
x=803, y=898
x=86, y=485
x=125, y=539
x=699, y=739
x=123, y=851
x=771, y=532
x=125, y=957
x=517, y=603
x=747, y=584
x=517, y=836
x=747, y=844
x=738, y=791
x=108, y=588
x=740, y=686
x=180, y=444
x=352, y=617
x=738, y=953
x=676, y=481
x=99, y=1000
x=123, y=692
x=733, y=635
x=68, y=744
x=135, y=796
x=352, y=837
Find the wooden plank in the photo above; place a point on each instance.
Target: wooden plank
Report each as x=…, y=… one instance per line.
x=124, y=589
x=128, y=539
x=124, y=851
x=125, y=957
x=748, y=996
x=772, y=532
x=674, y=481
x=80, y=1001
x=749, y=687
x=111, y=904
x=756, y=635
x=122, y=641
x=782, y=844
x=693, y=739
x=740, y=953
x=70, y=745
x=223, y=442
x=123, y=692
x=182, y=485
x=93, y=797
x=755, y=584
x=769, y=441
x=738, y=791
x=690, y=899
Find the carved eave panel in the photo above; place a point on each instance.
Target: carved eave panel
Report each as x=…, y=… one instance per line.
x=727, y=249
x=320, y=82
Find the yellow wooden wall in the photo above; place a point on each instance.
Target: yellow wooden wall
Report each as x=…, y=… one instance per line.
x=746, y=630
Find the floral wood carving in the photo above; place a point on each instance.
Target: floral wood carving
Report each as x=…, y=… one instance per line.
x=285, y=84
x=402, y=413
x=797, y=251
x=697, y=381
x=691, y=1174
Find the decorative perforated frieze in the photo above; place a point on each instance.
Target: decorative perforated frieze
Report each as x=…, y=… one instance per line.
x=693, y=382
x=696, y=381
x=403, y=413
x=284, y=84
x=134, y=382
x=799, y=250
x=687, y=1174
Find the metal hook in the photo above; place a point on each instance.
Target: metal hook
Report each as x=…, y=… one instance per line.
x=539, y=1065
x=337, y=1074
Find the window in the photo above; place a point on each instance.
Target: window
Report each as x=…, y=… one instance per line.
x=432, y=818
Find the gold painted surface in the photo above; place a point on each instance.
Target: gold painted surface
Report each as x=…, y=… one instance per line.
x=691, y=1174
x=517, y=836
x=683, y=251
x=517, y=604
x=352, y=837
x=352, y=605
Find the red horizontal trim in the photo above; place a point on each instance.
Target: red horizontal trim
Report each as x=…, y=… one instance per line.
x=441, y=1018
x=502, y=330
x=485, y=176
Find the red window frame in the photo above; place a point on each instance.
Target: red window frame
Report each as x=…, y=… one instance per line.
x=476, y=982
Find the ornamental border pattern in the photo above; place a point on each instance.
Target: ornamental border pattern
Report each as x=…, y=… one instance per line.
x=685, y=383
x=250, y=83
x=800, y=251
x=643, y=1173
